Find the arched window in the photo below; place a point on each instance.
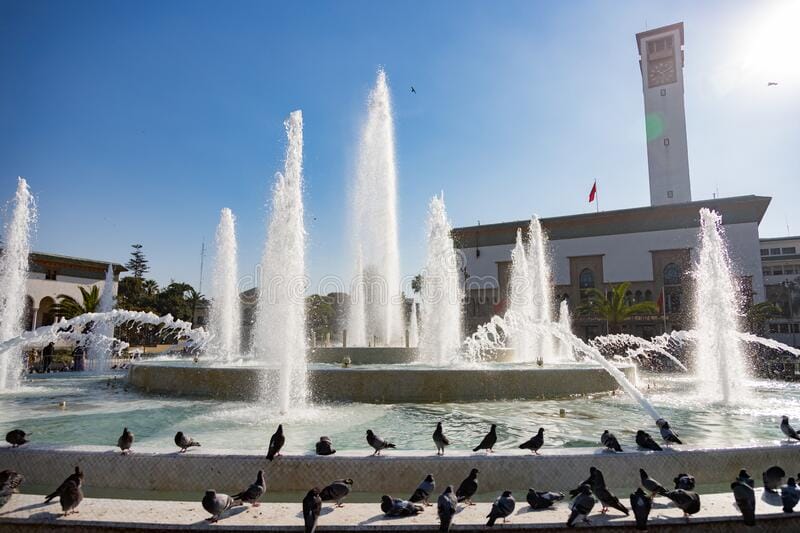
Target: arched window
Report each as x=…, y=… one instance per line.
x=672, y=274
x=638, y=296
x=586, y=279
x=629, y=297
x=648, y=295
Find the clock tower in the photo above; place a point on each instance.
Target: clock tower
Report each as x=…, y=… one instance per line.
x=661, y=64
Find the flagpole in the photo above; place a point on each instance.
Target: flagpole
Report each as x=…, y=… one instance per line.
x=664, y=307
x=597, y=196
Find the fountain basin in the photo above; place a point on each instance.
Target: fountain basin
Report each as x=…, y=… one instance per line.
x=387, y=355
x=382, y=384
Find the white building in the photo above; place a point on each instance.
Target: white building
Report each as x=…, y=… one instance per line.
x=780, y=262
x=650, y=247
x=51, y=275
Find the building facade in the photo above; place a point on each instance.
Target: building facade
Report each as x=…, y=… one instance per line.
x=780, y=262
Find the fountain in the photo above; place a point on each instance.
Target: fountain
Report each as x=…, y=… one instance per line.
x=279, y=336
x=99, y=349
x=565, y=321
x=441, y=292
x=374, y=227
x=225, y=321
x=13, y=276
x=541, y=285
x=719, y=358
x=520, y=300
x=413, y=326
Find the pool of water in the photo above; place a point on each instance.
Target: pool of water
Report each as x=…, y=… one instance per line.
x=97, y=407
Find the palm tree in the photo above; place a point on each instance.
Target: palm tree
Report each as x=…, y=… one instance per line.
x=68, y=307
x=614, y=307
x=757, y=315
x=150, y=287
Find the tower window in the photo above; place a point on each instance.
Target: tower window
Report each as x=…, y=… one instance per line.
x=663, y=92
x=666, y=141
x=669, y=194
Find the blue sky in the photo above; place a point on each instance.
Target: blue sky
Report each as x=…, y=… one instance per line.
x=139, y=121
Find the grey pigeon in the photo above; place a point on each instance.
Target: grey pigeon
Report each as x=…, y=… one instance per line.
x=253, y=493
x=216, y=504
x=595, y=480
x=773, y=478
x=790, y=495
x=669, y=436
x=468, y=487
x=685, y=500
x=397, y=507
x=608, y=499
x=645, y=441
x=534, y=443
x=312, y=506
x=488, y=441
x=276, y=442
x=745, y=498
x=788, y=430
x=377, y=443
x=17, y=437
x=501, y=508
x=651, y=485
x=582, y=506
x=641, y=504
x=337, y=491
x=744, y=477
x=76, y=477
x=9, y=482
x=446, y=508
x=684, y=481
x=325, y=446
x=70, y=497
x=543, y=500
x=184, y=442
x=439, y=439
x=424, y=491
x=609, y=440
x=125, y=441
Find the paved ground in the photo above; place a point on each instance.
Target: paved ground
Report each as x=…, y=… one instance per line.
x=27, y=512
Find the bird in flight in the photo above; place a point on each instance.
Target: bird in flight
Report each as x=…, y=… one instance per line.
x=413, y=90
x=769, y=84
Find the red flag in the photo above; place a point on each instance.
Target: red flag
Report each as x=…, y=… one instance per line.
x=593, y=192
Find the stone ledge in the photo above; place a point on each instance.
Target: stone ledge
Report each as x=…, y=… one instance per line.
x=28, y=513
x=394, y=472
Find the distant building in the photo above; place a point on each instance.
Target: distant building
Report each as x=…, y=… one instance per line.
x=51, y=275
x=780, y=263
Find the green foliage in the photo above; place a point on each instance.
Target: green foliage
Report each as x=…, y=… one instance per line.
x=68, y=307
x=614, y=307
x=320, y=314
x=756, y=316
x=137, y=264
x=416, y=283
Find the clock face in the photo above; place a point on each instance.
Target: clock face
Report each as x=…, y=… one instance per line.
x=661, y=72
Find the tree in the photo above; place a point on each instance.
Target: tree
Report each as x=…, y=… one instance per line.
x=614, y=307
x=757, y=315
x=137, y=264
x=320, y=314
x=416, y=284
x=68, y=307
x=150, y=287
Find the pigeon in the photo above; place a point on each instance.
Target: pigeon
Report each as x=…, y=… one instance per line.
x=446, y=508
x=501, y=508
x=608, y=499
x=468, y=487
x=641, y=504
x=17, y=437
x=543, y=500
x=594, y=481
x=70, y=497
x=424, y=490
x=312, y=505
x=439, y=439
x=184, y=442
x=744, y=477
x=773, y=478
x=253, y=493
x=686, y=500
x=125, y=441
x=684, y=481
x=76, y=477
x=644, y=440
x=216, y=504
x=378, y=443
x=669, y=436
x=790, y=495
x=787, y=429
x=534, y=443
x=582, y=506
x=276, y=442
x=397, y=507
x=488, y=441
x=337, y=491
x=325, y=446
x=609, y=440
x=651, y=485
x=745, y=498
x=9, y=482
